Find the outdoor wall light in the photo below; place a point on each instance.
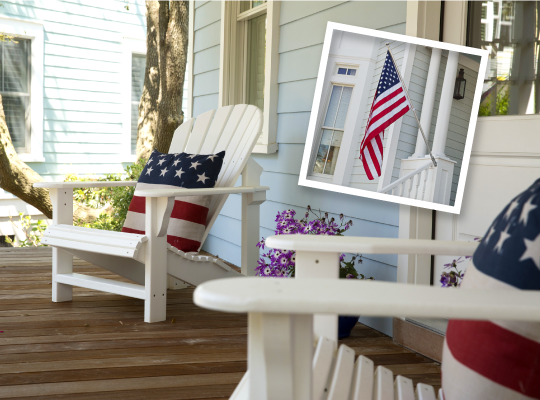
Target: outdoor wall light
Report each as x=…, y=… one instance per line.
x=459, y=89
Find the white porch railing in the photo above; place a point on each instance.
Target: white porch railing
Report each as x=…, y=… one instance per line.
x=413, y=185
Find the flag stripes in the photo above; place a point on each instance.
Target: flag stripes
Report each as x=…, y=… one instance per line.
x=390, y=104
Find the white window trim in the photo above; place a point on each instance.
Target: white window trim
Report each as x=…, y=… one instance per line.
x=232, y=65
x=130, y=46
x=33, y=31
x=189, y=69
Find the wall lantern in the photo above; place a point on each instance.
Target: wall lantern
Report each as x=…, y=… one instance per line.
x=459, y=89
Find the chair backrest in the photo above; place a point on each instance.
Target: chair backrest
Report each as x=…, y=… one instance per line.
x=234, y=129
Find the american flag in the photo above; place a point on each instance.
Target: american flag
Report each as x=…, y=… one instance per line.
x=499, y=359
x=390, y=104
x=170, y=171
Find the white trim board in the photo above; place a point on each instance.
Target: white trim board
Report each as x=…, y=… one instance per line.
x=303, y=178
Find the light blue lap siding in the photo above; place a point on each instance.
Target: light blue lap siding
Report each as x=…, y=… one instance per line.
x=303, y=26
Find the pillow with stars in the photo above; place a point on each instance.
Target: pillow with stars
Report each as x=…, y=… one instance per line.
x=499, y=359
x=188, y=218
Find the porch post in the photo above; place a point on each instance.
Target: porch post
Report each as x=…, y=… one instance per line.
x=445, y=105
x=429, y=102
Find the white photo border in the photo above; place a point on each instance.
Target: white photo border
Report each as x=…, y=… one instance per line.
x=334, y=26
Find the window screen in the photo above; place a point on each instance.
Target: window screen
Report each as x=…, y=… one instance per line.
x=256, y=61
x=15, y=90
x=138, y=67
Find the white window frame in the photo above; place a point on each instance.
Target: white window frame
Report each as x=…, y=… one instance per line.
x=32, y=31
x=232, y=78
x=130, y=46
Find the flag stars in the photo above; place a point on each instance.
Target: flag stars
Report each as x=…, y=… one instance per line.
x=527, y=208
x=163, y=172
x=195, y=164
x=212, y=157
x=179, y=173
x=202, y=178
x=175, y=163
x=511, y=209
x=504, y=236
x=161, y=161
x=532, y=251
x=490, y=233
x=149, y=170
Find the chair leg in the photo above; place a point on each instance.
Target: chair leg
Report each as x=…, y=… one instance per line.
x=62, y=264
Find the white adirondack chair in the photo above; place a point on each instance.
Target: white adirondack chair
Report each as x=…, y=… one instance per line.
x=284, y=318
x=147, y=259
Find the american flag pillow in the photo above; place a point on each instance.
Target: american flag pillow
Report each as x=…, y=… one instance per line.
x=499, y=359
x=188, y=217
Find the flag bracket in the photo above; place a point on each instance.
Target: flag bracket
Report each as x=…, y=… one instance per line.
x=412, y=107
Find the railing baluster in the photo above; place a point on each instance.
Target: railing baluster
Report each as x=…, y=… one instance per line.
x=417, y=184
x=411, y=181
x=426, y=173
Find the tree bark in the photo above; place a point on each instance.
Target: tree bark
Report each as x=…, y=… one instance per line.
x=18, y=178
x=160, y=108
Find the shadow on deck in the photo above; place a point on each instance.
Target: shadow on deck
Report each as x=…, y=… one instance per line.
x=98, y=346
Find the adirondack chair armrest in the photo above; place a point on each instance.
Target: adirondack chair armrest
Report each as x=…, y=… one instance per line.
x=200, y=192
x=79, y=184
x=370, y=245
x=366, y=298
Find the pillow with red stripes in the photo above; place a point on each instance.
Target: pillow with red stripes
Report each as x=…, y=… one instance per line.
x=188, y=217
x=485, y=360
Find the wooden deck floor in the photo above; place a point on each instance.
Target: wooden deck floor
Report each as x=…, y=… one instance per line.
x=97, y=347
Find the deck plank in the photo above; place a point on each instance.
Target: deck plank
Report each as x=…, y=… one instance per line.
x=97, y=346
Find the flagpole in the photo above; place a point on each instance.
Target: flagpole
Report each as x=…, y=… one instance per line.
x=410, y=102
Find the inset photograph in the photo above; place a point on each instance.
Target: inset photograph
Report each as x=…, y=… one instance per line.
x=393, y=117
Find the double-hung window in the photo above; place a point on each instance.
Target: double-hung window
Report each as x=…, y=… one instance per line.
x=249, y=62
x=331, y=132
x=15, y=90
x=138, y=66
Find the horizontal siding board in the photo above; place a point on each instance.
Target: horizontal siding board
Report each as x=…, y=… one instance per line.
x=310, y=30
x=82, y=148
x=295, y=10
x=81, y=53
x=82, y=64
x=206, y=83
x=207, y=14
x=82, y=74
x=90, y=106
x=206, y=60
x=207, y=37
x=286, y=161
x=66, y=136
x=296, y=96
x=80, y=116
x=309, y=58
x=69, y=94
x=293, y=127
x=202, y=104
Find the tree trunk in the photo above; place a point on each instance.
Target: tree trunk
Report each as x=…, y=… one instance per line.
x=160, y=108
x=18, y=178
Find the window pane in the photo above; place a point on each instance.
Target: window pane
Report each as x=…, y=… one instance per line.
x=14, y=66
x=323, y=150
x=15, y=111
x=506, y=29
x=333, y=153
x=333, y=106
x=343, y=107
x=351, y=72
x=257, y=3
x=138, y=67
x=256, y=60
x=342, y=71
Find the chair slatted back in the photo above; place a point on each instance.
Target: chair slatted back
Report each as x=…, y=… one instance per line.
x=234, y=129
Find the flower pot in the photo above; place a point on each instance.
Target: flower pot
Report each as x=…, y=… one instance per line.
x=346, y=324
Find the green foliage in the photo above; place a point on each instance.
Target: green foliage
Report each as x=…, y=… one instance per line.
x=117, y=197
x=347, y=269
x=33, y=231
x=501, y=108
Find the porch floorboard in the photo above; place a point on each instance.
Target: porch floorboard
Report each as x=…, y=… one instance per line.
x=98, y=346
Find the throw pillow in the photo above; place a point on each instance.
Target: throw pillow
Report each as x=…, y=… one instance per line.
x=485, y=360
x=188, y=218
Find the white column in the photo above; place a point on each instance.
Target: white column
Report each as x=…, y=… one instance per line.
x=428, y=103
x=445, y=105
